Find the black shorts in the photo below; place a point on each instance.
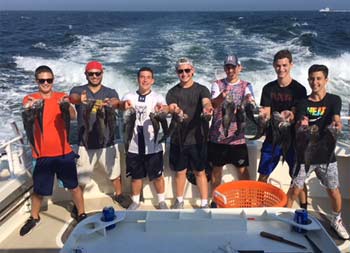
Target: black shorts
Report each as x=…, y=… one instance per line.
x=221, y=154
x=140, y=166
x=46, y=168
x=189, y=156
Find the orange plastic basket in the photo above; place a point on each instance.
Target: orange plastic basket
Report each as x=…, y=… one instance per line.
x=246, y=193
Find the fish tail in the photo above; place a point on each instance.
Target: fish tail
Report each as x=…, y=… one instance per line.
x=35, y=150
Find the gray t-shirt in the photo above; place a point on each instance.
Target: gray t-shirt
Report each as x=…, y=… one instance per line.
x=190, y=101
x=102, y=94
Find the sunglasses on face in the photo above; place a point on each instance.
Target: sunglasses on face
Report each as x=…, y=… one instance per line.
x=180, y=71
x=42, y=81
x=94, y=73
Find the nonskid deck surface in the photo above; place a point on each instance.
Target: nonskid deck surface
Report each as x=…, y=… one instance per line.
x=196, y=230
x=56, y=225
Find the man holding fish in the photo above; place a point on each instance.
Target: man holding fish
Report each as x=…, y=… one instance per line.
x=144, y=153
x=319, y=124
x=96, y=104
x=278, y=102
x=227, y=145
x=189, y=102
x=50, y=147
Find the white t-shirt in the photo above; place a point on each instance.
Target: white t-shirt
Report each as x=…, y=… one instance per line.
x=144, y=105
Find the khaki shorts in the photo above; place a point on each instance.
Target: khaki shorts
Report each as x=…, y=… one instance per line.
x=104, y=158
x=327, y=176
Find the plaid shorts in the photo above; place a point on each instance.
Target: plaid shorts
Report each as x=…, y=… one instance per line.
x=327, y=175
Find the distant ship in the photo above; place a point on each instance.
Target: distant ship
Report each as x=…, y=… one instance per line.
x=327, y=9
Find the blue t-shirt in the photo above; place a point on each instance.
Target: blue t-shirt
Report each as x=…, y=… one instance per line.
x=102, y=94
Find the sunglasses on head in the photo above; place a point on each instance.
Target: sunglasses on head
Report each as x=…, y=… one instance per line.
x=42, y=81
x=180, y=71
x=94, y=73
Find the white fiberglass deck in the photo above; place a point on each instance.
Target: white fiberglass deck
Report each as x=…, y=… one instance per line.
x=196, y=230
x=190, y=234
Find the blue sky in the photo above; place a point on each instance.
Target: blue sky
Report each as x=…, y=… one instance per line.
x=172, y=5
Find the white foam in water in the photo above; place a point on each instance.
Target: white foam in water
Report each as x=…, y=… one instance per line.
x=182, y=47
x=69, y=74
x=339, y=76
x=107, y=47
x=41, y=45
x=69, y=69
x=111, y=48
x=313, y=33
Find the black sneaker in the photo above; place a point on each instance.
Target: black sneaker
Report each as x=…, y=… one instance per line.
x=123, y=200
x=74, y=212
x=303, y=205
x=81, y=217
x=213, y=205
x=29, y=225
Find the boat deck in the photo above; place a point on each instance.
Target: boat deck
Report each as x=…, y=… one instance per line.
x=56, y=224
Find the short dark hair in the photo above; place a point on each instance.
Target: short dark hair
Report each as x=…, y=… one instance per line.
x=283, y=54
x=144, y=69
x=41, y=69
x=318, y=68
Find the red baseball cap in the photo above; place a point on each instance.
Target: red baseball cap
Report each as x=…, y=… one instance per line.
x=94, y=65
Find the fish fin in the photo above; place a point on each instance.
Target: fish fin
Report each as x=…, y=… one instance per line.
x=36, y=151
x=190, y=176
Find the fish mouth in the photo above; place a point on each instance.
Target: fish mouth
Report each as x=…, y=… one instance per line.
x=314, y=129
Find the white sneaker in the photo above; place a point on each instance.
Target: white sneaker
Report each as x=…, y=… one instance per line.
x=338, y=226
x=163, y=205
x=134, y=206
x=178, y=205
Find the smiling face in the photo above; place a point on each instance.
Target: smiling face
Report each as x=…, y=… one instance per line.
x=94, y=77
x=145, y=80
x=317, y=81
x=45, y=82
x=282, y=68
x=185, y=72
x=232, y=72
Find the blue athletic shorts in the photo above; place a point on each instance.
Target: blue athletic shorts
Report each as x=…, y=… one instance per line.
x=188, y=156
x=140, y=166
x=269, y=160
x=47, y=167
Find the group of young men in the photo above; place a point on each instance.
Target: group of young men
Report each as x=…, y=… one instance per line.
x=190, y=147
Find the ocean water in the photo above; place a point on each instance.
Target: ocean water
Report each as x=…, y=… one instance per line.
x=126, y=41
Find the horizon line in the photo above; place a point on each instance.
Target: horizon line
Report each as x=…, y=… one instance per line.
x=88, y=10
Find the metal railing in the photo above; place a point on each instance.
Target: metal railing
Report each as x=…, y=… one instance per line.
x=7, y=151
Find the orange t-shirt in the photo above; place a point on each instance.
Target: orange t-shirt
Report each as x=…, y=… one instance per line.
x=53, y=141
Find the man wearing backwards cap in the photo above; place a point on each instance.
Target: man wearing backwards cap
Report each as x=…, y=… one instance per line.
x=188, y=149
x=230, y=149
x=96, y=153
